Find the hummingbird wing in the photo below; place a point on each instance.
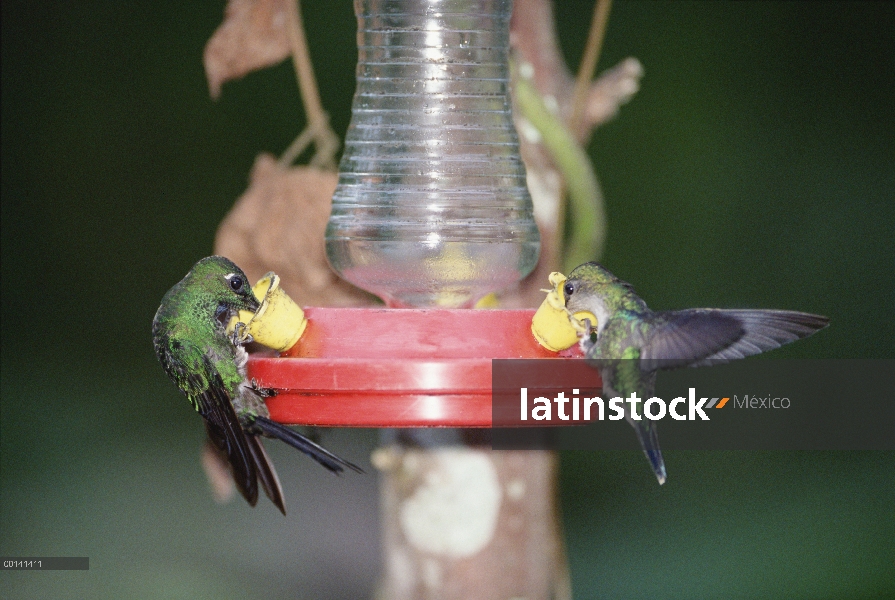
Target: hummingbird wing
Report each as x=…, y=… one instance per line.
x=765, y=330
x=226, y=433
x=266, y=473
x=227, y=436
x=190, y=367
x=244, y=450
x=681, y=337
x=705, y=336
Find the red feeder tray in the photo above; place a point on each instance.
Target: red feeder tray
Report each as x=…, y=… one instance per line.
x=379, y=367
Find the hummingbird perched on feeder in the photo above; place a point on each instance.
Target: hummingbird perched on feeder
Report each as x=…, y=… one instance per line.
x=209, y=366
x=631, y=342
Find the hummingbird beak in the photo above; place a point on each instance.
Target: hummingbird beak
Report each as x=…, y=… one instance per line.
x=252, y=303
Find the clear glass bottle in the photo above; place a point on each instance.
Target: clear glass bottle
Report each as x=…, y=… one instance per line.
x=432, y=208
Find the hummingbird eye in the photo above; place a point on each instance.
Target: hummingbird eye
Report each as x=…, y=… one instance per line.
x=568, y=289
x=236, y=283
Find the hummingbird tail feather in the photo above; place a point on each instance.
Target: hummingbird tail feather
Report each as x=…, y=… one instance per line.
x=655, y=459
x=231, y=443
x=649, y=440
x=303, y=444
x=266, y=473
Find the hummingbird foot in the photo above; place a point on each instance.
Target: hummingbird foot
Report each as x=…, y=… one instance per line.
x=261, y=392
x=586, y=334
x=241, y=335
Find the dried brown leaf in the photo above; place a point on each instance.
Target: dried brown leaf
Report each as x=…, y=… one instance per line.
x=253, y=36
x=217, y=469
x=615, y=87
x=278, y=225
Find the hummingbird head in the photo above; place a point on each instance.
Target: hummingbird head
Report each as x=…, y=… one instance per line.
x=224, y=284
x=590, y=287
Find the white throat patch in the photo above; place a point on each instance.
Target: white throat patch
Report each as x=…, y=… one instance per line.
x=602, y=315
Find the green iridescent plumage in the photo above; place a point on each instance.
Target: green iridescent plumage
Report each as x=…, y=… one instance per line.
x=633, y=342
x=191, y=342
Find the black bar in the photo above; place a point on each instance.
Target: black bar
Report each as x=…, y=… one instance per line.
x=45, y=563
x=785, y=404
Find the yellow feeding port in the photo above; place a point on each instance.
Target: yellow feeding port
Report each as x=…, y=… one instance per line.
x=278, y=323
x=553, y=326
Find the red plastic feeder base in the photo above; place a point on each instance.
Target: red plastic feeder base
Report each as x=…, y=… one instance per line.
x=378, y=367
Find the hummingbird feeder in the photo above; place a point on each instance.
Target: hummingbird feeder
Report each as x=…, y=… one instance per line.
x=431, y=213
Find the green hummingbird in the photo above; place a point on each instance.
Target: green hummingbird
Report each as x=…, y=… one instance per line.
x=632, y=342
x=209, y=367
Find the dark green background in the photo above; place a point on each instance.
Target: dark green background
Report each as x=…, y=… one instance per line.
x=755, y=168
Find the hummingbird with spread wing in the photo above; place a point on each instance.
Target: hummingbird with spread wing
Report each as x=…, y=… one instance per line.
x=631, y=342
